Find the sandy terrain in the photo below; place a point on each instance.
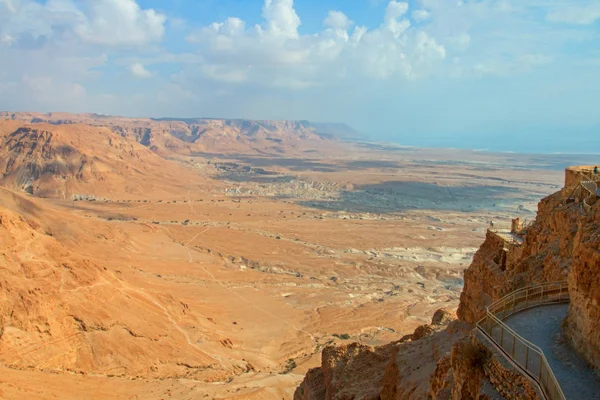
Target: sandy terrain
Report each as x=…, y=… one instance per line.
x=229, y=288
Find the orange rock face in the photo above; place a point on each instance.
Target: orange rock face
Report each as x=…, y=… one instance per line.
x=400, y=370
x=582, y=326
x=546, y=255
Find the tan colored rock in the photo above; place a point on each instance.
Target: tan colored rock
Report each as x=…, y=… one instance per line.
x=582, y=326
x=400, y=370
x=421, y=332
x=443, y=317
x=312, y=387
x=499, y=267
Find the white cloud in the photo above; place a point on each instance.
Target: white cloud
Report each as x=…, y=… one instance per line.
x=8, y=6
x=281, y=17
x=395, y=9
x=576, y=13
x=337, y=20
x=99, y=22
x=279, y=56
x=420, y=15
x=5, y=38
x=139, y=71
x=120, y=22
x=56, y=47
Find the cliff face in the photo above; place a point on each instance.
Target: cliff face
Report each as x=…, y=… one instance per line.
x=563, y=241
x=399, y=370
x=582, y=326
x=172, y=136
x=546, y=254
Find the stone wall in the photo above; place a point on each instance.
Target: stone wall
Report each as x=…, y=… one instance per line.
x=475, y=370
x=574, y=175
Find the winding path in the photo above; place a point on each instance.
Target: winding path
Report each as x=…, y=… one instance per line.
x=542, y=326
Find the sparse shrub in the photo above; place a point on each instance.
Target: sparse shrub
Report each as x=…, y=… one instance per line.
x=474, y=355
x=343, y=336
x=289, y=366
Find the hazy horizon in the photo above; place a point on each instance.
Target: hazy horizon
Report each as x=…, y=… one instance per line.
x=494, y=74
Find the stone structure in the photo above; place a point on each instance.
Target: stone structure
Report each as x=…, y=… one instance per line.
x=516, y=226
x=574, y=175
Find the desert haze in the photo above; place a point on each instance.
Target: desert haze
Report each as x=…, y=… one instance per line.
x=216, y=259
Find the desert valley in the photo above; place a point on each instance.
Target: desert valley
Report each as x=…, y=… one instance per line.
x=193, y=259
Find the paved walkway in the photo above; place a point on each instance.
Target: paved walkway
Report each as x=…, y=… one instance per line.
x=541, y=326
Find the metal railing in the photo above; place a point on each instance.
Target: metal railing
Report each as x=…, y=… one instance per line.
x=590, y=186
x=524, y=353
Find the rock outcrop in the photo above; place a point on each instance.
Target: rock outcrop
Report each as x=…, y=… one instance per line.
x=582, y=326
x=399, y=370
x=473, y=371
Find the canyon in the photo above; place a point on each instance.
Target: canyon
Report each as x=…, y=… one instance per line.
x=242, y=259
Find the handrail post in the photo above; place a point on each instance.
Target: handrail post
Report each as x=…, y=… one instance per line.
x=514, y=302
x=514, y=345
x=526, y=357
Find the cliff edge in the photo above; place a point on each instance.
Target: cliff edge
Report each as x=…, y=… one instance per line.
x=453, y=361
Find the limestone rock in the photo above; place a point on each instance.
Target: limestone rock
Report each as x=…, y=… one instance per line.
x=421, y=332
x=443, y=317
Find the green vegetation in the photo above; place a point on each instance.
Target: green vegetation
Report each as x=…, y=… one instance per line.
x=343, y=336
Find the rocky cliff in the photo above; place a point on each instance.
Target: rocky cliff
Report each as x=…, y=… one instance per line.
x=49, y=160
x=500, y=266
x=563, y=241
x=582, y=326
x=399, y=370
x=186, y=136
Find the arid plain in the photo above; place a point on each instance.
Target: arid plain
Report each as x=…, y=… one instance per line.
x=219, y=265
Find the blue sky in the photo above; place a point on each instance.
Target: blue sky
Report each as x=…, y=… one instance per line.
x=504, y=74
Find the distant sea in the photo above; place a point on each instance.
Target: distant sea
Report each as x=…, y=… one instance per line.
x=515, y=143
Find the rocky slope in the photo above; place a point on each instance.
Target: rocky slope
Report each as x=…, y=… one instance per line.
x=61, y=160
x=64, y=312
x=400, y=370
x=563, y=241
